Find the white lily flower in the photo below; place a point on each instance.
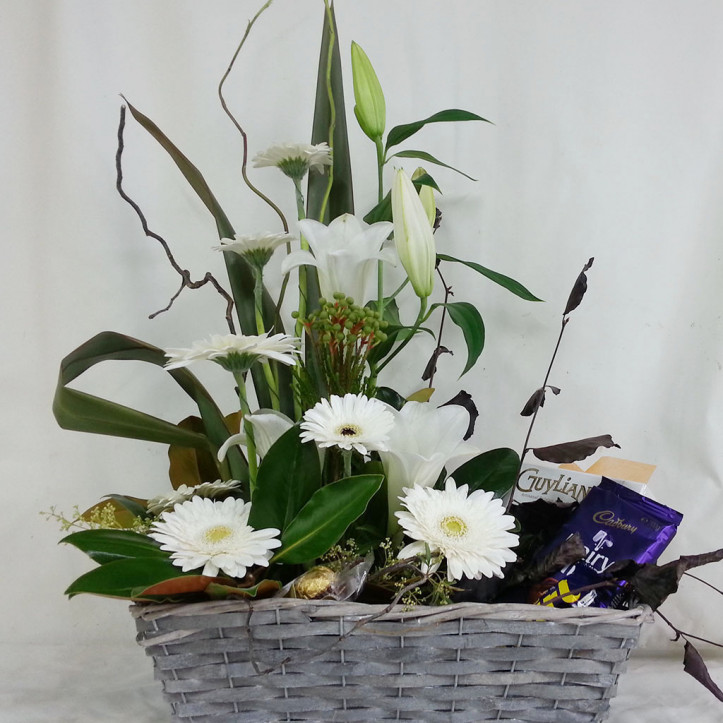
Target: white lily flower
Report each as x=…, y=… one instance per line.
x=423, y=441
x=268, y=426
x=413, y=235
x=345, y=254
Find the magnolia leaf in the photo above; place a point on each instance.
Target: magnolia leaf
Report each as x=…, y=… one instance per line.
x=468, y=319
x=573, y=451
x=104, y=545
x=493, y=471
x=505, y=281
x=330, y=82
x=127, y=578
x=84, y=412
x=578, y=290
x=694, y=665
x=421, y=395
x=289, y=474
x=175, y=588
x=219, y=591
x=400, y=133
x=191, y=467
x=325, y=517
x=464, y=399
x=538, y=570
x=424, y=156
x=391, y=397
x=124, y=509
x=431, y=367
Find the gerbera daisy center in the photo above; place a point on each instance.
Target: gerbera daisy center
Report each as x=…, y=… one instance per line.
x=453, y=526
x=217, y=533
x=349, y=430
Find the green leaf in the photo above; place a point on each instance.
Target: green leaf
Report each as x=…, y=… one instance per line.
x=84, y=412
x=510, y=284
x=424, y=156
x=383, y=210
x=129, y=578
x=468, y=319
x=400, y=133
x=134, y=505
x=341, y=197
x=104, y=546
x=288, y=476
x=493, y=471
x=190, y=173
x=325, y=517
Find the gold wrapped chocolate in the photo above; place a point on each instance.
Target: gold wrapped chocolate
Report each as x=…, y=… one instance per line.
x=314, y=583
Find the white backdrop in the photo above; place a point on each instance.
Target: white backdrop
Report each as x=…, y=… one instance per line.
x=607, y=141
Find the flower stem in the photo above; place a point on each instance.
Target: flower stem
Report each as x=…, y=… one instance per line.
x=346, y=454
x=258, y=309
x=413, y=331
x=250, y=444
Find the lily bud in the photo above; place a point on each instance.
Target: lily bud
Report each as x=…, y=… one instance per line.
x=426, y=196
x=370, y=108
x=413, y=235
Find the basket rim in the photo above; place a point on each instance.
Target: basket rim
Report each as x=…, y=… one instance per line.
x=327, y=609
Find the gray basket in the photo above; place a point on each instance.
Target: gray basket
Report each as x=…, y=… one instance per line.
x=300, y=660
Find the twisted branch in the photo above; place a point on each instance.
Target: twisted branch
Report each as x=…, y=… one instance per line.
x=185, y=274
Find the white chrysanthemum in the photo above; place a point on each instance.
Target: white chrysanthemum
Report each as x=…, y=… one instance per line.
x=350, y=422
x=158, y=504
x=295, y=159
x=215, y=536
x=236, y=351
x=470, y=531
x=257, y=249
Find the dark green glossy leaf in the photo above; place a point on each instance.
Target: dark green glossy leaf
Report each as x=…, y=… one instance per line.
x=129, y=578
x=510, y=284
x=391, y=397
x=401, y=133
x=493, y=471
x=424, y=156
x=323, y=520
x=84, y=412
x=341, y=196
x=468, y=319
x=104, y=546
x=288, y=476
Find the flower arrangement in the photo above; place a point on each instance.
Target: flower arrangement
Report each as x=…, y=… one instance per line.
x=326, y=482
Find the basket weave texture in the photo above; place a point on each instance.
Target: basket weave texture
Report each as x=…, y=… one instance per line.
x=299, y=660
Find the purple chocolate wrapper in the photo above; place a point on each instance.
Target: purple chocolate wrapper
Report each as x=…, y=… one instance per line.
x=615, y=523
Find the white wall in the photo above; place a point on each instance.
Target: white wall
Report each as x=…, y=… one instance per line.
x=606, y=142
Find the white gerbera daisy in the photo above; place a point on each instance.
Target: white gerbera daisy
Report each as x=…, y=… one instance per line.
x=350, y=422
x=215, y=536
x=236, y=352
x=158, y=504
x=470, y=531
x=258, y=249
x=295, y=159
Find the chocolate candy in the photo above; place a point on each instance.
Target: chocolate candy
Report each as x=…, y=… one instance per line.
x=615, y=524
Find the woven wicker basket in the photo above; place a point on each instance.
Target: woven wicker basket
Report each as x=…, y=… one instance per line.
x=294, y=660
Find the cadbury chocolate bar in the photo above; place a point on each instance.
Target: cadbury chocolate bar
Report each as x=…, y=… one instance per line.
x=615, y=523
